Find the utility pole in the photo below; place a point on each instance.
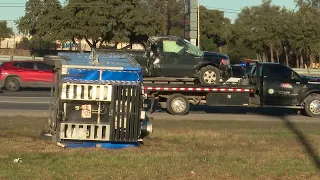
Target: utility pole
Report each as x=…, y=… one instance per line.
x=165, y=19
x=198, y=24
x=192, y=21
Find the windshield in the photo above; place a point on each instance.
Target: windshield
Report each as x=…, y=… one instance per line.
x=192, y=49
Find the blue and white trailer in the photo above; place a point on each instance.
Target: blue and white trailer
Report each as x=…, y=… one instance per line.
x=98, y=101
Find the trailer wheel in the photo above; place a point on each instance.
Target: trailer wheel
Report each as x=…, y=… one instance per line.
x=209, y=75
x=178, y=104
x=312, y=105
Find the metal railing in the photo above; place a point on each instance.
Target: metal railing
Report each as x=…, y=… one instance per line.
x=17, y=58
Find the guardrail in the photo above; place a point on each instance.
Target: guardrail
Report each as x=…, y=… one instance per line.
x=17, y=58
x=307, y=71
x=314, y=72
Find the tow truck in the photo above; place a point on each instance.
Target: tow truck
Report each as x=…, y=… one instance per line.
x=264, y=85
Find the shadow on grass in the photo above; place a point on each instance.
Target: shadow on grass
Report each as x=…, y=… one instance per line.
x=302, y=139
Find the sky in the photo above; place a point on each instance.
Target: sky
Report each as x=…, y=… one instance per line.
x=231, y=7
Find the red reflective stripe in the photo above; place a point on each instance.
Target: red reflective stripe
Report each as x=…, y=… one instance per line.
x=200, y=89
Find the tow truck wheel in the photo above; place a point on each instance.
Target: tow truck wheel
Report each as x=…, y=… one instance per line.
x=209, y=75
x=312, y=105
x=178, y=104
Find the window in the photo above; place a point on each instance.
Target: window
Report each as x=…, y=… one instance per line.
x=43, y=66
x=170, y=46
x=15, y=64
x=26, y=65
x=276, y=71
x=192, y=49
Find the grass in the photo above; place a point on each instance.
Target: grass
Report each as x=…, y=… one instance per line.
x=176, y=150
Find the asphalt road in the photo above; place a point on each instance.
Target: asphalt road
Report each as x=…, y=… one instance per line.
x=36, y=103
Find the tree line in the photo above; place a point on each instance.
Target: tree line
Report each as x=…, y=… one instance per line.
x=265, y=32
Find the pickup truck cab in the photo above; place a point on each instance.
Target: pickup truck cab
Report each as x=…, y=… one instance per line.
x=279, y=86
x=171, y=56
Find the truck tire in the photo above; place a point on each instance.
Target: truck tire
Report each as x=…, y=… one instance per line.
x=12, y=84
x=312, y=105
x=178, y=104
x=209, y=75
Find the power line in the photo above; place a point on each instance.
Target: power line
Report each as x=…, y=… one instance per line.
x=20, y=5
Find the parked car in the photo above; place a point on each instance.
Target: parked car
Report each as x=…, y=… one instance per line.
x=29, y=73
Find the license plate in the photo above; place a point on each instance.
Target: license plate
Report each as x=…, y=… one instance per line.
x=86, y=111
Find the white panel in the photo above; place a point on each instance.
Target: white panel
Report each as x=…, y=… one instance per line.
x=76, y=131
x=83, y=134
x=143, y=115
x=92, y=132
x=94, y=92
x=86, y=92
x=70, y=93
x=79, y=91
x=64, y=110
x=101, y=93
x=64, y=70
x=97, y=92
x=69, y=130
x=64, y=91
x=99, y=132
x=62, y=130
x=109, y=96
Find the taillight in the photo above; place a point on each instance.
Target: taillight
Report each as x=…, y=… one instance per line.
x=225, y=61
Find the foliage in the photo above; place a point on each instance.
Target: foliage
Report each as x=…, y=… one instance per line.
x=266, y=32
x=5, y=31
x=214, y=29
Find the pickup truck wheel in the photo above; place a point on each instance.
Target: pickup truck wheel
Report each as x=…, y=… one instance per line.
x=178, y=104
x=12, y=84
x=209, y=75
x=312, y=105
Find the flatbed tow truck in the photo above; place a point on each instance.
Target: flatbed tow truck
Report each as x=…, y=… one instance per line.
x=266, y=85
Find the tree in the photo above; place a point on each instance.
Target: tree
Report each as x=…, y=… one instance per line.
x=41, y=20
x=122, y=21
x=5, y=31
x=214, y=29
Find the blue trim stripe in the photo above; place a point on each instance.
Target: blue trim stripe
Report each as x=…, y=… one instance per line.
x=106, y=145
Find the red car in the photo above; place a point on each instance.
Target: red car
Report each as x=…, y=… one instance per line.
x=30, y=73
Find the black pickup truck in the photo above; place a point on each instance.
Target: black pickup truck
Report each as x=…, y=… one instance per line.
x=175, y=57
x=265, y=85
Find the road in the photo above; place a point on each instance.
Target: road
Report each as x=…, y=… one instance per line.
x=36, y=103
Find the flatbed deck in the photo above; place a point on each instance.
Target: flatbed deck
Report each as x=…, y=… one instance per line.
x=199, y=88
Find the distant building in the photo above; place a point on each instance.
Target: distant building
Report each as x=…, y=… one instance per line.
x=68, y=45
x=11, y=42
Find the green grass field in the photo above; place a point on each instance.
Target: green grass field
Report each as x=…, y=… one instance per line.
x=177, y=150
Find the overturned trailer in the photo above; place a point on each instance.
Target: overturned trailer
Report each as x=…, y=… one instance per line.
x=97, y=101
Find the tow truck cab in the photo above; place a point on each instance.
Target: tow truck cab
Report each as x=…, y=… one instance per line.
x=280, y=86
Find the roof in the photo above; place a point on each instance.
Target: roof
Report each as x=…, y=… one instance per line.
x=96, y=67
x=104, y=59
x=96, y=60
x=157, y=38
